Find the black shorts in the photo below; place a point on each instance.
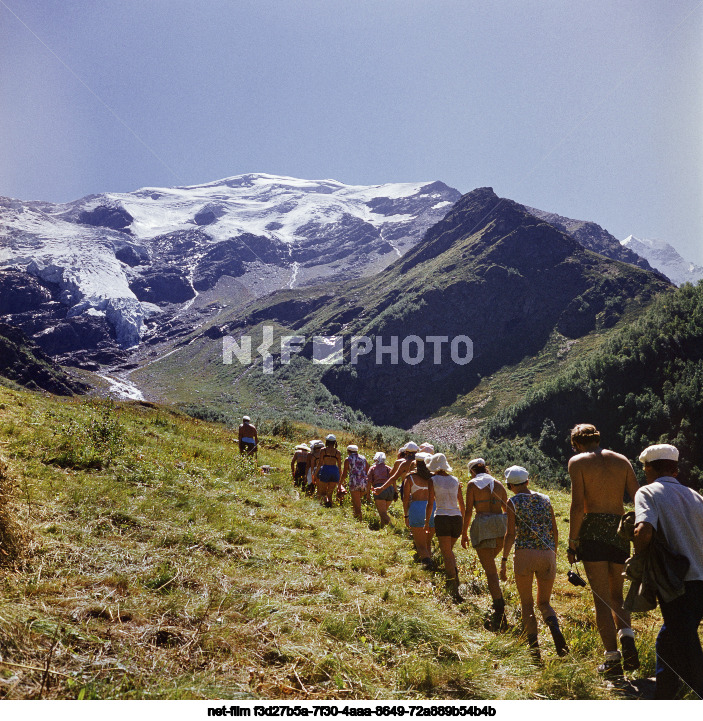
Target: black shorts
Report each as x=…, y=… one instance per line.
x=601, y=551
x=448, y=526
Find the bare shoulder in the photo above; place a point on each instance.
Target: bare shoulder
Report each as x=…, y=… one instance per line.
x=578, y=460
x=615, y=457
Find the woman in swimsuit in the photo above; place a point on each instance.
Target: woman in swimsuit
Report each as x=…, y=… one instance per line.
x=329, y=470
x=380, y=472
x=488, y=497
x=533, y=528
x=299, y=464
x=416, y=491
x=445, y=490
x=356, y=467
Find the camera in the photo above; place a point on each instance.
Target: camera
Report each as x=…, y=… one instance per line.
x=575, y=579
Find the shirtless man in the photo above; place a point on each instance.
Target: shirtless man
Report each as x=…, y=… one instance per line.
x=248, y=439
x=599, y=479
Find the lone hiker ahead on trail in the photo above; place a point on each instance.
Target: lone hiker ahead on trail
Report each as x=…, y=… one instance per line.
x=248, y=438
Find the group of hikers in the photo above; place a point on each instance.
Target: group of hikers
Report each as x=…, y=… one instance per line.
x=668, y=519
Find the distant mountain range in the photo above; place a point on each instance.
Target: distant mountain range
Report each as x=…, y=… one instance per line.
x=666, y=259
x=489, y=271
x=123, y=279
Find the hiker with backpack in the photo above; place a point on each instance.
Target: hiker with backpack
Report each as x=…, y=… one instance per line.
x=356, y=469
x=379, y=473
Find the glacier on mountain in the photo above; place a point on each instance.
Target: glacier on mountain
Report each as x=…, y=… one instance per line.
x=129, y=255
x=666, y=259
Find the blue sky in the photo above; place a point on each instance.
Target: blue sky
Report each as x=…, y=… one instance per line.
x=592, y=110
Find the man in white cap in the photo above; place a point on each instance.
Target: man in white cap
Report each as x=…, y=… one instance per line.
x=666, y=506
x=248, y=438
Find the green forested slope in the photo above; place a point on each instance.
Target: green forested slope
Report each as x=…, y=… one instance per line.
x=643, y=386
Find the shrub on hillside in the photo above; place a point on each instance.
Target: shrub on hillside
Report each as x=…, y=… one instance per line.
x=90, y=441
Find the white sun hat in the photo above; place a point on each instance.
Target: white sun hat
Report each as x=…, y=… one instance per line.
x=438, y=462
x=516, y=475
x=660, y=452
x=476, y=462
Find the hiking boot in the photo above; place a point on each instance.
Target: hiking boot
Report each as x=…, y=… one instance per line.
x=630, y=657
x=496, y=621
x=452, y=586
x=559, y=641
x=533, y=643
x=612, y=666
x=428, y=563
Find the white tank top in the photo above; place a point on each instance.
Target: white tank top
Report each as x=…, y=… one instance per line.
x=445, y=493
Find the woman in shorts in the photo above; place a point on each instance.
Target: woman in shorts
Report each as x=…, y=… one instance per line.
x=488, y=497
x=329, y=470
x=532, y=527
x=415, y=494
x=445, y=492
x=356, y=468
x=380, y=472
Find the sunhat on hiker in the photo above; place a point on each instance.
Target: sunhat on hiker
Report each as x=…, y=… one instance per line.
x=411, y=447
x=427, y=448
x=660, y=452
x=352, y=449
x=476, y=462
x=246, y=419
x=380, y=457
x=331, y=437
x=516, y=475
x=302, y=447
x=438, y=462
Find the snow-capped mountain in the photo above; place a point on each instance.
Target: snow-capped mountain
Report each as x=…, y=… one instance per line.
x=666, y=259
x=120, y=259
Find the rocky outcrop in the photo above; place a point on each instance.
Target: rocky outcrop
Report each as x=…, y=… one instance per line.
x=24, y=363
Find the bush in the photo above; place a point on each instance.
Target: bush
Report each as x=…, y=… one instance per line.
x=90, y=442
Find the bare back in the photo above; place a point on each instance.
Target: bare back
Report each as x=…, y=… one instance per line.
x=483, y=500
x=599, y=478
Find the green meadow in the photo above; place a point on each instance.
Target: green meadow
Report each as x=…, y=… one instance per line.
x=143, y=558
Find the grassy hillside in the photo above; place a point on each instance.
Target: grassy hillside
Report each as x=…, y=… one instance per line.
x=158, y=564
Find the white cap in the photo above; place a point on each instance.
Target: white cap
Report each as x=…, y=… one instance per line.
x=353, y=449
x=302, y=447
x=331, y=437
x=476, y=462
x=246, y=418
x=380, y=457
x=661, y=452
x=427, y=448
x=438, y=462
x=516, y=475
x=423, y=456
x=411, y=447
